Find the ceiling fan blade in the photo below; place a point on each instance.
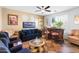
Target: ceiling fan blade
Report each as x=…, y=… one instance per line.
x=38, y=7
x=47, y=7
x=48, y=10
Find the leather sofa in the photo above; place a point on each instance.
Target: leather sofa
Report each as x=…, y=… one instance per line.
x=73, y=36
x=26, y=35
x=6, y=46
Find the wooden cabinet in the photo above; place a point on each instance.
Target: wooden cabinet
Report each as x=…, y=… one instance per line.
x=56, y=34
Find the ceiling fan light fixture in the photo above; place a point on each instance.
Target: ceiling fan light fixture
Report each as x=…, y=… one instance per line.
x=43, y=11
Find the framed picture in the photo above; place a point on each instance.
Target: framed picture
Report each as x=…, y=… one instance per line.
x=76, y=20
x=12, y=19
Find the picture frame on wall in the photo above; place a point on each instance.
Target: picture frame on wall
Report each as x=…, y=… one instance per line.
x=12, y=19
x=76, y=20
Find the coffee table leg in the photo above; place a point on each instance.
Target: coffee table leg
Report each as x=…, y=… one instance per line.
x=41, y=49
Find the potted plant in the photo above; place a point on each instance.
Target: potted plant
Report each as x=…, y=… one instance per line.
x=57, y=24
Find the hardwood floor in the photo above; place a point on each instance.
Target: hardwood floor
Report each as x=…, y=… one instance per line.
x=66, y=48
x=52, y=47
x=69, y=48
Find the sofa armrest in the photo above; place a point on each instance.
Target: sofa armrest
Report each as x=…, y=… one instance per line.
x=16, y=48
x=3, y=47
x=3, y=50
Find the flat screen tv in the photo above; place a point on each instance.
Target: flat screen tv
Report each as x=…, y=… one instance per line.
x=28, y=24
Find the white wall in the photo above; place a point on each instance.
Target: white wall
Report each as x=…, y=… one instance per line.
x=67, y=17
x=0, y=18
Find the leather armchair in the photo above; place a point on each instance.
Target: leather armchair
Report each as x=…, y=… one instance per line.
x=73, y=37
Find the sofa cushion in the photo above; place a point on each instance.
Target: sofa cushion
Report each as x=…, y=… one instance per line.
x=5, y=35
x=74, y=37
x=4, y=40
x=16, y=48
x=32, y=31
x=3, y=46
x=75, y=32
x=2, y=34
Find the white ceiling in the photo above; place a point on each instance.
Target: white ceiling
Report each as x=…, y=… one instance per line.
x=32, y=9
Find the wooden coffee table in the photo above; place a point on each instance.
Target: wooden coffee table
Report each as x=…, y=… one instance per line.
x=37, y=46
x=45, y=47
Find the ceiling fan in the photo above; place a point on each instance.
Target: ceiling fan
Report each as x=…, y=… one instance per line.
x=43, y=9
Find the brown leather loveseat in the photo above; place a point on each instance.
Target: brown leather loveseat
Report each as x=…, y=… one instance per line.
x=74, y=36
